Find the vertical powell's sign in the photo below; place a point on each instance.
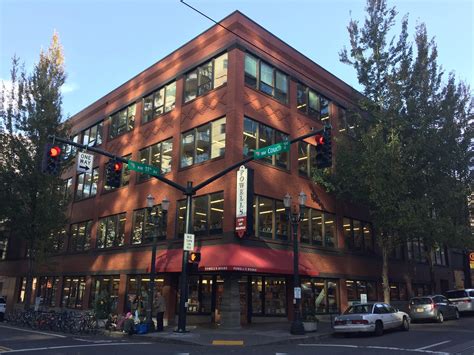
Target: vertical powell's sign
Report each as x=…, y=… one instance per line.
x=241, y=201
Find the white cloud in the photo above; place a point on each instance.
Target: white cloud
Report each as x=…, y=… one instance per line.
x=68, y=88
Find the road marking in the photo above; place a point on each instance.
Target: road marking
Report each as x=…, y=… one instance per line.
x=93, y=341
x=433, y=345
x=71, y=346
x=378, y=347
x=227, y=342
x=33, y=331
x=329, y=345
x=3, y=349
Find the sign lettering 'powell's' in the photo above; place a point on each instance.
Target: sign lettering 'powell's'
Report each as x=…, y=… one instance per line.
x=143, y=168
x=271, y=150
x=241, y=201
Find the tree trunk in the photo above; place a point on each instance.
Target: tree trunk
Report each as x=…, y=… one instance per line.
x=432, y=271
x=408, y=282
x=29, y=282
x=385, y=284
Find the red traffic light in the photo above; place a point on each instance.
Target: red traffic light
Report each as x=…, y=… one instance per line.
x=54, y=151
x=319, y=139
x=117, y=166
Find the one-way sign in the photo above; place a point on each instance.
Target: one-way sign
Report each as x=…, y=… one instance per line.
x=85, y=162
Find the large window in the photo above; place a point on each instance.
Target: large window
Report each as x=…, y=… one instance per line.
x=318, y=296
x=208, y=214
x=80, y=236
x=264, y=77
x=158, y=155
x=416, y=250
x=398, y=291
x=86, y=185
x=318, y=228
x=111, y=231
x=159, y=102
x=311, y=103
x=306, y=158
x=358, y=235
x=73, y=291
x=66, y=190
x=439, y=256
x=122, y=121
x=268, y=296
x=57, y=240
x=271, y=221
x=355, y=288
x=206, y=77
x=203, y=143
x=92, y=136
x=3, y=247
x=258, y=135
x=47, y=290
x=104, y=295
x=137, y=293
x=143, y=226
x=124, y=178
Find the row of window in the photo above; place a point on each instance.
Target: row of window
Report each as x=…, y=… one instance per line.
x=398, y=290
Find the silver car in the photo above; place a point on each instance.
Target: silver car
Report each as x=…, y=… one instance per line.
x=371, y=317
x=435, y=307
x=463, y=299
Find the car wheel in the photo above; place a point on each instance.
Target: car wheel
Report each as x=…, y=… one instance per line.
x=440, y=317
x=405, y=324
x=456, y=314
x=378, y=328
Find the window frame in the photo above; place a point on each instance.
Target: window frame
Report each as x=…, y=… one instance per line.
x=118, y=234
x=75, y=234
x=99, y=127
x=116, y=130
x=93, y=180
x=153, y=94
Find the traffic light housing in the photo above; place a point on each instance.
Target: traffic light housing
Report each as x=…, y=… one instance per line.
x=324, y=149
x=51, y=159
x=114, y=173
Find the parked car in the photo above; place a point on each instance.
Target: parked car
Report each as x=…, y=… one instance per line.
x=436, y=307
x=463, y=299
x=371, y=317
x=3, y=305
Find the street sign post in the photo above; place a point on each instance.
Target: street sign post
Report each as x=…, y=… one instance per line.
x=271, y=150
x=85, y=162
x=143, y=168
x=188, y=243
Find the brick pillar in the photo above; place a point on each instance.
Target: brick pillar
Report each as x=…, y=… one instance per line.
x=170, y=287
x=230, y=308
x=122, y=292
x=87, y=293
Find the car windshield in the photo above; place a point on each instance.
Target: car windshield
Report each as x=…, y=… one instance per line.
x=359, y=309
x=456, y=294
x=417, y=301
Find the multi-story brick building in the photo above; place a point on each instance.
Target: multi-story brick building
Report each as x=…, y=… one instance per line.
x=199, y=110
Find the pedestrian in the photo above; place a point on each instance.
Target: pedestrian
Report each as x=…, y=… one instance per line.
x=160, y=306
x=129, y=324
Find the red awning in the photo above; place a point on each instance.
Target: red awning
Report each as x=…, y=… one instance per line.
x=234, y=257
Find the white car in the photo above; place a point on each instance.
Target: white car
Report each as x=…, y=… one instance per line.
x=3, y=305
x=372, y=318
x=463, y=299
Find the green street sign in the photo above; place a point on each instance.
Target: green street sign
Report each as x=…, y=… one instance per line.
x=271, y=150
x=143, y=168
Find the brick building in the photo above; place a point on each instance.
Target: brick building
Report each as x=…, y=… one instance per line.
x=199, y=110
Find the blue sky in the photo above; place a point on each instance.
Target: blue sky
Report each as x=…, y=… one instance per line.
x=107, y=42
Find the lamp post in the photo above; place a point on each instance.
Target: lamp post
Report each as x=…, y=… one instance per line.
x=156, y=221
x=294, y=217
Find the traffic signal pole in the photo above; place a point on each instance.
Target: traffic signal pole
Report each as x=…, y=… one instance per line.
x=188, y=191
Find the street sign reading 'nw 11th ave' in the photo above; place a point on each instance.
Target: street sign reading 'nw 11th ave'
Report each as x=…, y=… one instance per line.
x=271, y=150
x=143, y=168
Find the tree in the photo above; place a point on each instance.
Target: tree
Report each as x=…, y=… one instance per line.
x=32, y=204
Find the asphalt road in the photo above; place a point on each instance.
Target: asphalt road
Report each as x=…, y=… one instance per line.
x=451, y=337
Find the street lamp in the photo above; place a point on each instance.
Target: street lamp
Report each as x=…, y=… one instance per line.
x=297, y=324
x=155, y=222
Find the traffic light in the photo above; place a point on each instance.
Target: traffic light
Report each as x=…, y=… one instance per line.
x=194, y=257
x=324, y=149
x=113, y=173
x=51, y=159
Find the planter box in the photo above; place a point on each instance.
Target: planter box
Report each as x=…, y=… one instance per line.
x=310, y=326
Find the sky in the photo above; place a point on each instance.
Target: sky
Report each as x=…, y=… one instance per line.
x=107, y=42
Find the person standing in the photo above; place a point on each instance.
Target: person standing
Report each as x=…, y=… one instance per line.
x=160, y=307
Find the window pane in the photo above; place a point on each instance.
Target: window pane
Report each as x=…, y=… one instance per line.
x=351, y=290
x=203, y=146
x=281, y=86
x=138, y=226
x=94, y=181
x=187, y=144
x=111, y=232
x=282, y=224
x=329, y=230
x=87, y=185
x=331, y=287
x=265, y=217
x=266, y=78
x=218, y=138
x=324, y=108
x=99, y=133
x=304, y=227
x=282, y=158
x=158, y=102
x=301, y=98
x=303, y=158
x=265, y=138
x=220, y=70
x=155, y=158
x=317, y=227
x=217, y=213
x=170, y=96
x=371, y=291
x=166, y=148
x=122, y=123
x=190, y=86
x=144, y=158
x=250, y=71
x=275, y=300
x=80, y=186
x=200, y=216
x=206, y=294
x=205, y=78
x=148, y=108
x=313, y=107
x=358, y=237
x=320, y=295
x=368, y=241
x=101, y=232
x=250, y=136
x=347, y=230
x=85, y=136
x=132, y=110
x=121, y=229
x=257, y=292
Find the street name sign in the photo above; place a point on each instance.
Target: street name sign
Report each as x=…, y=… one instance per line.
x=271, y=150
x=143, y=168
x=85, y=162
x=188, y=243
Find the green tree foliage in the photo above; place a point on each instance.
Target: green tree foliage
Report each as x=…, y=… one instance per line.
x=408, y=156
x=31, y=203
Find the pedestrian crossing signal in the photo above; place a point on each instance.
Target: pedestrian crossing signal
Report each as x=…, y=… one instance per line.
x=194, y=257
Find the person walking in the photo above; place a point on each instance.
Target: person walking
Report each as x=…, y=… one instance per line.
x=160, y=307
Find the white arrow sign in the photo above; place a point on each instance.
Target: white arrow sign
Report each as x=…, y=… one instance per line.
x=85, y=162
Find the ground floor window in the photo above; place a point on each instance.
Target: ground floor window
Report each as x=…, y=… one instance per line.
x=268, y=296
x=355, y=288
x=319, y=296
x=73, y=291
x=137, y=293
x=104, y=295
x=47, y=290
x=398, y=291
x=21, y=290
x=200, y=294
x=421, y=289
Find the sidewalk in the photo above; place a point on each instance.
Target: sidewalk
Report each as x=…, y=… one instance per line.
x=249, y=335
